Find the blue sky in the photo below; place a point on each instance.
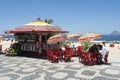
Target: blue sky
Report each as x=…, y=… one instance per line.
x=76, y=16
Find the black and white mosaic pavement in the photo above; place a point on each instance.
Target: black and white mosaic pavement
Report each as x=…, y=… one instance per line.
x=24, y=68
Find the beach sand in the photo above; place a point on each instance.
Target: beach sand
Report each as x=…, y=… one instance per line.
x=114, y=54
x=6, y=44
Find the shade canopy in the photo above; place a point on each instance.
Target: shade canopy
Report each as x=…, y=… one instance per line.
x=37, y=26
x=70, y=36
x=56, y=38
x=89, y=36
x=1, y=37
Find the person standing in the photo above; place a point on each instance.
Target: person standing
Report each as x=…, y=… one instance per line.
x=105, y=53
x=0, y=46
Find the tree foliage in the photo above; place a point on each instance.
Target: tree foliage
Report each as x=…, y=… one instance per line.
x=86, y=45
x=49, y=21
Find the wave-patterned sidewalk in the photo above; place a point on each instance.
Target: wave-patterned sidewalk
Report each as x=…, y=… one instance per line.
x=25, y=68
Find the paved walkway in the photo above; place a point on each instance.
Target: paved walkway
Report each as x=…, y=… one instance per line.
x=24, y=68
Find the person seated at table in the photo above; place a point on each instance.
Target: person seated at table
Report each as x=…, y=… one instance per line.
x=74, y=50
x=99, y=56
x=93, y=49
x=94, y=53
x=58, y=46
x=67, y=47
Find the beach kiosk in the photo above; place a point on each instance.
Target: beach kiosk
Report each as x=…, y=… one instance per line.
x=32, y=37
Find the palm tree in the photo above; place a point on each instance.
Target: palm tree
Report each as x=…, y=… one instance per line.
x=49, y=21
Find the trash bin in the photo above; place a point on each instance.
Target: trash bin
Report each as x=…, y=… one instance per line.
x=112, y=45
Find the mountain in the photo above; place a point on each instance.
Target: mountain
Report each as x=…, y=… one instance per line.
x=115, y=33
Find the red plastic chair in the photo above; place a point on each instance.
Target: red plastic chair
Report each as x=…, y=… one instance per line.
x=80, y=53
x=68, y=55
x=49, y=54
x=60, y=55
x=54, y=56
x=93, y=58
x=86, y=58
